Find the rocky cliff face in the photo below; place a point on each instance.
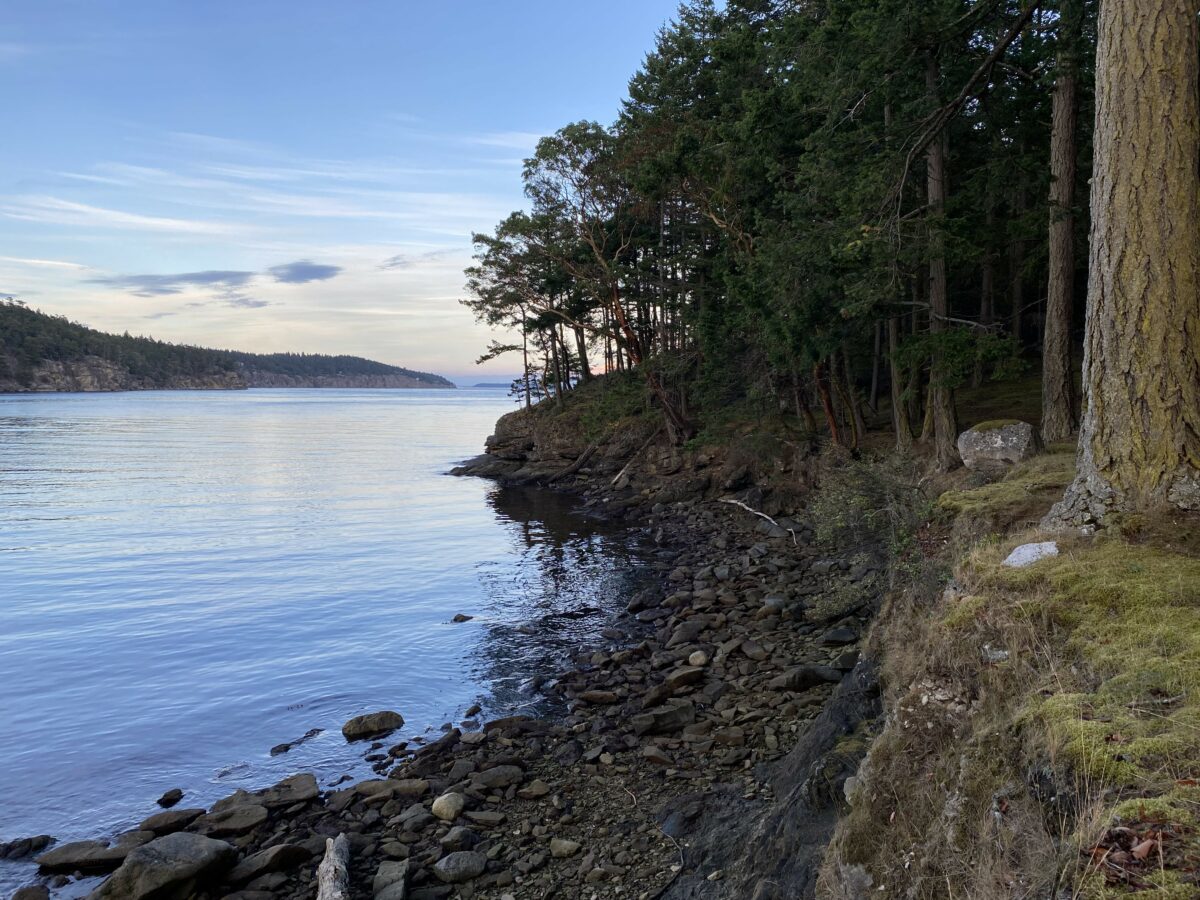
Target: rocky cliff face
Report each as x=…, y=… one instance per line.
x=259, y=379
x=91, y=373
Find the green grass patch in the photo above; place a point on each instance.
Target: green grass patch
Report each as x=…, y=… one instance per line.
x=1117, y=695
x=1019, y=499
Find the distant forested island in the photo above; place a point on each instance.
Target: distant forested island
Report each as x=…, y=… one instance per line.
x=41, y=352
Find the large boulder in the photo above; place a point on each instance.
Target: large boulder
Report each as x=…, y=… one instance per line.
x=993, y=447
x=280, y=858
x=170, y=821
x=372, y=725
x=460, y=866
x=296, y=789
x=665, y=719
x=92, y=856
x=168, y=868
x=232, y=822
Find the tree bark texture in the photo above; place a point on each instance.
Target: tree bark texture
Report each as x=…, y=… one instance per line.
x=941, y=400
x=1058, y=383
x=1139, y=443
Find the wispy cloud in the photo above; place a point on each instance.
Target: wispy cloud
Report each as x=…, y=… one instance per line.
x=44, y=263
x=509, y=140
x=56, y=211
x=163, y=285
x=302, y=271
x=403, y=261
x=240, y=301
x=11, y=51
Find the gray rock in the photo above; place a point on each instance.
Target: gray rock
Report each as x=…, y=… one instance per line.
x=804, y=677
x=170, y=821
x=686, y=632
x=22, y=847
x=459, y=838
x=90, y=856
x=280, y=858
x=664, y=719
x=840, y=636
x=684, y=676
x=170, y=798
x=234, y=821
x=499, y=776
x=391, y=881
x=449, y=807
x=488, y=818
x=32, y=892
x=563, y=849
x=994, y=446
x=372, y=725
x=296, y=789
x=460, y=866
x=1028, y=554
x=168, y=868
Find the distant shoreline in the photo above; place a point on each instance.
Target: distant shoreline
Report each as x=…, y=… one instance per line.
x=7, y=392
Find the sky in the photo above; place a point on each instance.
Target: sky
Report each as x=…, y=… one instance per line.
x=274, y=175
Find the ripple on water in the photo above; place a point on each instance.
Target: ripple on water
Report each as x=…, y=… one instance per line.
x=190, y=579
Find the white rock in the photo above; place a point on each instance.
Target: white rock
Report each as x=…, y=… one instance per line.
x=449, y=807
x=1028, y=554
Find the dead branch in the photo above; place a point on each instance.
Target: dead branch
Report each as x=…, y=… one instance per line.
x=575, y=466
x=761, y=515
x=636, y=454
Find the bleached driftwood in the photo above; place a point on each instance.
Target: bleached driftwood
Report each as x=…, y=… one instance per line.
x=761, y=515
x=637, y=453
x=333, y=875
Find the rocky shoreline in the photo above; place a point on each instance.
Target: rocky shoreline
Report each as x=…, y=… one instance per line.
x=703, y=754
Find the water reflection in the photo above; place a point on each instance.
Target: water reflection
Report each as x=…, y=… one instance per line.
x=576, y=572
x=237, y=569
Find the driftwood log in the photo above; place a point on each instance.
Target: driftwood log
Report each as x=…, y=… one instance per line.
x=333, y=875
x=636, y=454
x=761, y=515
x=575, y=466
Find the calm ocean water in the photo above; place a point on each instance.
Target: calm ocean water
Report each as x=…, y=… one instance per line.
x=188, y=579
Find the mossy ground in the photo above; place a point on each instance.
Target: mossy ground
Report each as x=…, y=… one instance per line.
x=1117, y=697
x=1042, y=721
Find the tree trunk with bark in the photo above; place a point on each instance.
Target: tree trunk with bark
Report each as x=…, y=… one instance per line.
x=941, y=399
x=1139, y=442
x=900, y=424
x=1058, y=383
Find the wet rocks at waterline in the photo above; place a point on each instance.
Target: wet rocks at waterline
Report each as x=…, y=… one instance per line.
x=670, y=734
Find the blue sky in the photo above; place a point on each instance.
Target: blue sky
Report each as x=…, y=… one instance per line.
x=299, y=175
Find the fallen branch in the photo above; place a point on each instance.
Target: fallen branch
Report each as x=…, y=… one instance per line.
x=761, y=515
x=575, y=466
x=636, y=454
x=333, y=875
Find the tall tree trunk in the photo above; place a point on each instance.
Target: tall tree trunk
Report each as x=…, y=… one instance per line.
x=1058, y=383
x=900, y=424
x=525, y=358
x=987, y=286
x=1016, y=270
x=1139, y=441
x=800, y=394
x=876, y=364
x=826, y=402
x=853, y=400
x=941, y=399
x=585, y=368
